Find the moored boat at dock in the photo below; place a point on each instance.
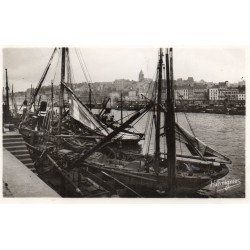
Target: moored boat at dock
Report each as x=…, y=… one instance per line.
x=77, y=144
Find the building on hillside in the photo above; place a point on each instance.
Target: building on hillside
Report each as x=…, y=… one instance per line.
x=132, y=96
x=144, y=85
x=210, y=85
x=178, y=81
x=223, y=85
x=241, y=97
x=122, y=84
x=199, y=93
x=132, y=93
x=190, y=93
x=226, y=93
x=181, y=93
x=214, y=94
x=141, y=76
x=231, y=94
x=190, y=81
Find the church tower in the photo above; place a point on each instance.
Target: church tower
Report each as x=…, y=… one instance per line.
x=141, y=76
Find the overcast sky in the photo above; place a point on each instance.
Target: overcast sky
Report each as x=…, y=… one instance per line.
x=25, y=66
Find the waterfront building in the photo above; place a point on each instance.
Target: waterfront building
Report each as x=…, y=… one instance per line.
x=181, y=92
x=226, y=93
x=200, y=93
x=231, y=94
x=190, y=93
x=214, y=94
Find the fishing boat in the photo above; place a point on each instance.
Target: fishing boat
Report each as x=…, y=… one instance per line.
x=85, y=149
x=56, y=139
x=164, y=174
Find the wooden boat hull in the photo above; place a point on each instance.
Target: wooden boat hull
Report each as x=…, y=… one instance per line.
x=149, y=184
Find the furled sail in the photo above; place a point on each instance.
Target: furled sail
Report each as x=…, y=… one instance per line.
x=80, y=112
x=196, y=146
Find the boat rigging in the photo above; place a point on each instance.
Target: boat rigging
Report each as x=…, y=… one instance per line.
x=77, y=142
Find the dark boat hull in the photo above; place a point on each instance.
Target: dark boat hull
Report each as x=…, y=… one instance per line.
x=151, y=185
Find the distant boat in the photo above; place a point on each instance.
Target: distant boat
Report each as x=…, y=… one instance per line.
x=240, y=110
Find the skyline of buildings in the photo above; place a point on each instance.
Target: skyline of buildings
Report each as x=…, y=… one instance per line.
x=185, y=90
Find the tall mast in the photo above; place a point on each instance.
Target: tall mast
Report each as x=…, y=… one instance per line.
x=170, y=125
x=90, y=101
x=121, y=110
x=31, y=90
x=61, y=92
x=7, y=91
x=52, y=100
x=12, y=97
x=158, y=114
x=69, y=76
x=68, y=66
x=37, y=89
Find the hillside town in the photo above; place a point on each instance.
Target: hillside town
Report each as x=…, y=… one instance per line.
x=134, y=94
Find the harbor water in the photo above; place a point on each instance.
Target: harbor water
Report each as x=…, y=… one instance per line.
x=224, y=133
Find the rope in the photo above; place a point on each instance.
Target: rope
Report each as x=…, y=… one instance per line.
x=146, y=128
x=186, y=115
x=82, y=66
x=189, y=123
x=85, y=65
x=150, y=136
x=179, y=136
x=178, y=133
x=59, y=53
x=149, y=124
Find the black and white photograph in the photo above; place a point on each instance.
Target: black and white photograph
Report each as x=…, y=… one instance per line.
x=125, y=125
x=124, y=122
